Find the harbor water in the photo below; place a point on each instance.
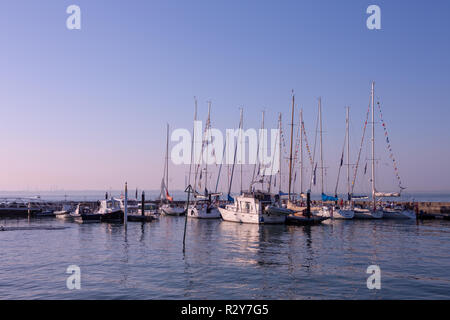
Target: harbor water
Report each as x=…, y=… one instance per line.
x=225, y=260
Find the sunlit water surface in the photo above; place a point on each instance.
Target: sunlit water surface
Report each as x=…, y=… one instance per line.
x=226, y=260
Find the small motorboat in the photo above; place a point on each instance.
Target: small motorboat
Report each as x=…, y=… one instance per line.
x=65, y=212
x=44, y=214
x=76, y=215
x=110, y=211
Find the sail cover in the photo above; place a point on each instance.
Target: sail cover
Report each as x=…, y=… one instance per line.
x=387, y=194
x=328, y=198
x=359, y=197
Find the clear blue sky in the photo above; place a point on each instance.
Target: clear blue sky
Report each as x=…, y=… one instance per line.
x=87, y=109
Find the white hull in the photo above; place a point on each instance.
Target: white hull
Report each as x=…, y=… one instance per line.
x=168, y=211
x=394, y=214
x=202, y=213
x=340, y=214
x=367, y=214
x=255, y=218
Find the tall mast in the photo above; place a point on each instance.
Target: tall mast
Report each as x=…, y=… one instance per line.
x=290, y=152
x=279, y=171
x=167, y=159
x=348, y=152
x=373, y=145
x=208, y=124
x=257, y=163
x=301, y=151
x=259, y=156
x=192, y=142
x=321, y=147
x=242, y=143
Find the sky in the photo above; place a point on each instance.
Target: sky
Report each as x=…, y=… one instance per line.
x=87, y=109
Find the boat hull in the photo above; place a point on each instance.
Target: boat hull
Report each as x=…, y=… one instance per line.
x=254, y=218
x=89, y=218
x=139, y=218
x=115, y=216
x=173, y=211
x=367, y=214
x=339, y=214
x=393, y=214
x=203, y=213
x=299, y=219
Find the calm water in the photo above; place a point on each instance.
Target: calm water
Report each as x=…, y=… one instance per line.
x=226, y=260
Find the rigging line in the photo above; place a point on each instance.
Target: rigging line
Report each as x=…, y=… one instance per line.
x=360, y=148
x=220, y=167
x=314, y=153
x=277, y=142
x=204, y=137
x=257, y=154
x=234, y=159
x=340, y=165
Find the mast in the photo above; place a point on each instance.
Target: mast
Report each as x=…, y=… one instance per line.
x=234, y=159
x=192, y=141
x=242, y=143
x=257, y=163
x=301, y=152
x=290, y=152
x=321, y=146
x=208, y=123
x=373, y=145
x=167, y=159
x=348, y=152
x=279, y=171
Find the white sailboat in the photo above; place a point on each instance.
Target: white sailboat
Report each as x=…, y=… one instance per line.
x=203, y=206
x=374, y=212
x=346, y=211
x=254, y=207
x=167, y=207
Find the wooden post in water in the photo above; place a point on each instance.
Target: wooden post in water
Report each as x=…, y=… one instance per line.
x=143, y=204
x=125, y=218
x=308, y=204
x=188, y=190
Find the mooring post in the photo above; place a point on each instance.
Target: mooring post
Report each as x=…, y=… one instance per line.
x=125, y=218
x=188, y=190
x=143, y=204
x=308, y=204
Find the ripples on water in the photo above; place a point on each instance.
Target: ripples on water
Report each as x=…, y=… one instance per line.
x=225, y=260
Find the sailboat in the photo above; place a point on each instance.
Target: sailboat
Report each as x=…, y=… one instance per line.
x=373, y=213
x=344, y=212
x=167, y=207
x=257, y=207
x=203, y=206
x=304, y=217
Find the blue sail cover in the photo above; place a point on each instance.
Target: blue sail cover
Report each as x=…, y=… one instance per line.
x=230, y=198
x=328, y=198
x=283, y=193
